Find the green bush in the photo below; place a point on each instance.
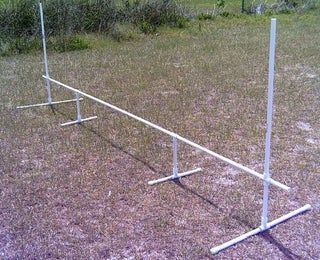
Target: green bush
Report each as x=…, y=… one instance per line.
x=19, y=20
x=283, y=7
x=221, y=3
x=124, y=32
x=153, y=13
x=18, y=45
x=68, y=43
x=204, y=16
x=147, y=27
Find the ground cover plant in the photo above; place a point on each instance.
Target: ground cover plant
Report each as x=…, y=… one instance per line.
x=82, y=192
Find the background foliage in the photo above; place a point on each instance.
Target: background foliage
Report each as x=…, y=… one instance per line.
x=19, y=20
x=68, y=21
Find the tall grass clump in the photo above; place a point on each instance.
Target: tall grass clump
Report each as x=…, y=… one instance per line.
x=67, y=20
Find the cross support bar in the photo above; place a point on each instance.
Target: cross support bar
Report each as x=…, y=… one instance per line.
x=48, y=104
x=180, y=175
x=260, y=229
x=79, y=122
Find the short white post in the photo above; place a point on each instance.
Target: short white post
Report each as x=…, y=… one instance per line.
x=175, y=157
x=266, y=175
x=78, y=107
x=175, y=168
x=79, y=119
x=45, y=57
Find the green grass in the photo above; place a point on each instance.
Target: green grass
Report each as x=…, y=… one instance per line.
x=230, y=5
x=82, y=192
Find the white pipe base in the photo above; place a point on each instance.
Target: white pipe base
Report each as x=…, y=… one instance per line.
x=260, y=229
x=180, y=175
x=48, y=104
x=79, y=121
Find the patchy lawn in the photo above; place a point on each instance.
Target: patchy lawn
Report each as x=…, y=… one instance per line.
x=81, y=191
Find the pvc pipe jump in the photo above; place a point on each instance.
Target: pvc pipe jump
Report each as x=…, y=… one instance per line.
x=265, y=177
x=172, y=134
x=79, y=118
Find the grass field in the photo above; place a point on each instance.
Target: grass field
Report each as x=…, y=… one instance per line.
x=81, y=192
x=233, y=6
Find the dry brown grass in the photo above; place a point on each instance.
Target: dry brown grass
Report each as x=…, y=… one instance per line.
x=81, y=192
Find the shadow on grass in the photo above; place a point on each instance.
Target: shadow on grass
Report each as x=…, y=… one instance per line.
x=288, y=253
x=265, y=235
x=55, y=111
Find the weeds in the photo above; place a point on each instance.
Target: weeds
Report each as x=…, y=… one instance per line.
x=68, y=43
x=19, y=20
x=283, y=7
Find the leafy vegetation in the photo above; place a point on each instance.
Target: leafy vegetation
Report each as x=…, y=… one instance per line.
x=19, y=20
x=282, y=6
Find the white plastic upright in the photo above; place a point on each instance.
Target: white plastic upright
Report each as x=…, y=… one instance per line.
x=266, y=175
x=265, y=225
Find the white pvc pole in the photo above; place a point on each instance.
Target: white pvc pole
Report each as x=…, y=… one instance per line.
x=266, y=175
x=175, y=157
x=78, y=107
x=45, y=57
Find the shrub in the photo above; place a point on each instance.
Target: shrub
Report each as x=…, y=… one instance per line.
x=149, y=15
x=283, y=7
x=76, y=16
x=18, y=18
x=64, y=18
x=221, y=3
x=18, y=45
x=68, y=43
x=124, y=32
x=204, y=16
x=147, y=27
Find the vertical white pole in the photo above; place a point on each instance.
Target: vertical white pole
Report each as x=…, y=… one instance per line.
x=45, y=54
x=78, y=107
x=175, y=157
x=266, y=175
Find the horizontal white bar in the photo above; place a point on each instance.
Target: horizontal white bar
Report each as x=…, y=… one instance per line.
x=271, y=224
x=218, y=156
x=112, y=106
x=48, y=104
x=289, y=215
x=180, y=175
x=233, y=163
x=234, y=241
x=78, y=122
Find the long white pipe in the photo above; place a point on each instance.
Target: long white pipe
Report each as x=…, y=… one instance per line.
x=266, y=176
x=175, y=168
x=45, y=57
x=218, y=156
